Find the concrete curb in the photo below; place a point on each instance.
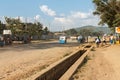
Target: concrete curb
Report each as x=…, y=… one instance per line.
x=66, y=66
x=68, y=74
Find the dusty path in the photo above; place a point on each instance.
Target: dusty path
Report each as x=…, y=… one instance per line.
x=112, y=54
x=102, y=64
x=21, y=61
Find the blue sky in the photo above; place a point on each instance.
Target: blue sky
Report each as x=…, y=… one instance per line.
x=56, y=14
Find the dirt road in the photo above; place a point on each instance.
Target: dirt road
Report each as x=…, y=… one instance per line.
x=102, y=64
x=20, y=61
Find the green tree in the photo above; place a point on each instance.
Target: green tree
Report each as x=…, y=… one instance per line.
x=109, y=12
x=2, y=27
x=15, y=25
x=85, y=32
x=19, y=28
x=33, y=28
x=39, y=29
x=45, y=31
x=71, y=32
x=97, y=33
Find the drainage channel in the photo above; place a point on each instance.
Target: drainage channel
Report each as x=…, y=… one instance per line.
x=65, y=68
x=68, y=74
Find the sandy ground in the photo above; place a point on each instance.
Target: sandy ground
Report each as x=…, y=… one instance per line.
x=21, y=61
x=102, y=64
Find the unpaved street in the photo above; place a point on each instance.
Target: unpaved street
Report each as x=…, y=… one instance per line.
x=103, y=64
x=20, y=61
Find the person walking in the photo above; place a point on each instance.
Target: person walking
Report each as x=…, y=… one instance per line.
x=97, y=41
x=112, y=40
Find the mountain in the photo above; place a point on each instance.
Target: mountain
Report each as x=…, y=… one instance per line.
x=95, y=29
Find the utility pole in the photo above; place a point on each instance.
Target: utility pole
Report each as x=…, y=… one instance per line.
x=49, y=26
x=26, y=24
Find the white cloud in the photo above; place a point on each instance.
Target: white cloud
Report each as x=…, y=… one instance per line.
x=79, y=15
x=62, y=14
x=75, y=19
x=62, y=20
x=37, y=17
x=22, y=19
x=28, y=19
x=48, y=11
x=2, y=19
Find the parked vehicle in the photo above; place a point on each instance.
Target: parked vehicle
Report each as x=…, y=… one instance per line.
x=62, y=39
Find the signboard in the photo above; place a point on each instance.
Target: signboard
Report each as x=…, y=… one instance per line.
x=117, y=29
x=7, y=32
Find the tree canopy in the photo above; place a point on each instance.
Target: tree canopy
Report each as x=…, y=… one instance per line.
x=109, y=12
x=2, y=27
x=71, y=32
x=20, y=28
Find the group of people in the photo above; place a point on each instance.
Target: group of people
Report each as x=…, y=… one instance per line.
x=81, y=39
x=8, y=39
x=5, y=40
x=104, y=40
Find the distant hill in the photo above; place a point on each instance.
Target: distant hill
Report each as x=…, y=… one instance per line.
x=95, y=29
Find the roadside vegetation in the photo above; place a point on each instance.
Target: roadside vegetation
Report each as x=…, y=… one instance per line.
x=109, y=12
